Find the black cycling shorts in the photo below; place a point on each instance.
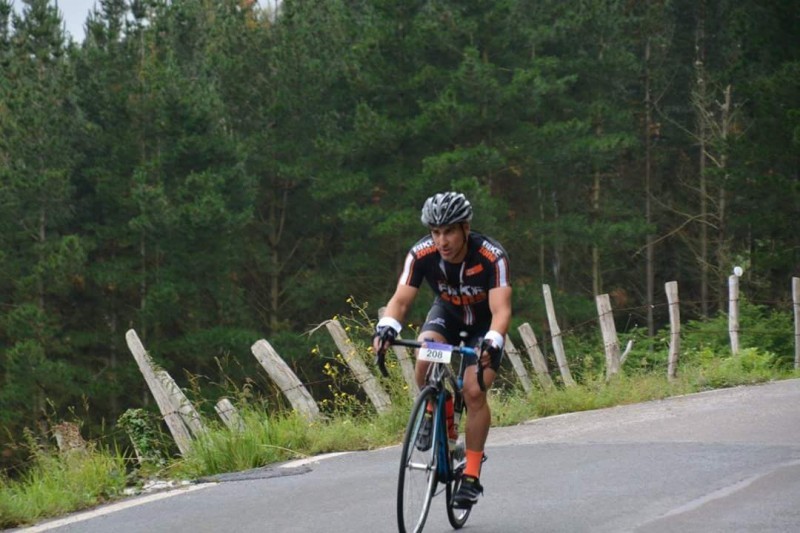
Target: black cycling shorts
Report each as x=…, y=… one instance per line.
x=454, y=330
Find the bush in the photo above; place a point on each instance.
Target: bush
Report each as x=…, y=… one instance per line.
x=750, y=365
x=766, y=329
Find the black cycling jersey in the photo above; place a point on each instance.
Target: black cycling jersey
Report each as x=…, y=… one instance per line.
x=462, y=289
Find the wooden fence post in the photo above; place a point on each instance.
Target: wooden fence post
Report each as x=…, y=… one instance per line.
x=609, y=329
x=537, y=359
x=229, y=415
x=516, y=362
x=287, y=381
x=376, y=394
x=178, y=399
x=406, y=364
x=671, y=289
x=558, y=343
x=733, y=312
x=175, y=423
x=796, y=300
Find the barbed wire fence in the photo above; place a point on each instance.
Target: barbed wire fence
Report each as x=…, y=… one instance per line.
x=586, y=340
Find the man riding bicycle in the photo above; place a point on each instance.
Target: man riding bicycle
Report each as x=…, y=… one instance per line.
x=469, y=274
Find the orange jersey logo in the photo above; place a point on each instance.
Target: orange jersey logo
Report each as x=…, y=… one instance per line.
x=463, y=299
x=477, y=269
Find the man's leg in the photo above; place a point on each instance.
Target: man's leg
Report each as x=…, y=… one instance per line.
x=424, y=437
x=421, y=367
x=479, y=418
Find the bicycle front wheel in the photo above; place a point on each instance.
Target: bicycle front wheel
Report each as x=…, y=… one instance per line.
x=457, y=516
x=416, y=482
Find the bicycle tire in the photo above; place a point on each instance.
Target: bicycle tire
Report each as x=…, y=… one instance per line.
x=457, y=516
x=417, y=479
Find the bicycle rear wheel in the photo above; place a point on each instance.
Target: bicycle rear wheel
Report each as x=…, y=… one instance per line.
x=416, y=482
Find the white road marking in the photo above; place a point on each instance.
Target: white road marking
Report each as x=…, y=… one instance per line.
x=314, y=459
x=719, y=494
x=114, y=507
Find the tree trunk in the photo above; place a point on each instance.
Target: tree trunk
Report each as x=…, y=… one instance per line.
x=277, y=220
x=597, y=285
x=540, y=197
x=722, y=245
x=701, y=136
x=556, y=245
x=648, y=193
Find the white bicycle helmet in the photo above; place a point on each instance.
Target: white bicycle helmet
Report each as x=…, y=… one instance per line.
x=446, y=208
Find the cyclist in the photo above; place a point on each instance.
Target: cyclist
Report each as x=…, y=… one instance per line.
x=469, y=274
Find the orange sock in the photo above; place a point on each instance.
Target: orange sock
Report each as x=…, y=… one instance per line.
x=474, y=460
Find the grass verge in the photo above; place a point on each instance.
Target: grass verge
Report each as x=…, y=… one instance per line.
x=59, y=484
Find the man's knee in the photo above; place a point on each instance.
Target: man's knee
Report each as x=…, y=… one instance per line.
x=472, y=390
x=473, y=395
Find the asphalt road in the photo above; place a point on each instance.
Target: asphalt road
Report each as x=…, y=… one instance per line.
x=720, y=461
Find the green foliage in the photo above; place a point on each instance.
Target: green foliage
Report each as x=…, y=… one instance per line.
x=267, y=439
x=209, y=174
x=58, y=484
x=148, y=442
x=594, y=393
x=264, y=440
x=749, y=366
x=345, y=398
x=761, y=328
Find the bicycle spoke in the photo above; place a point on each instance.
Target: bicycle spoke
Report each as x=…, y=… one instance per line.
x=456, y=516
x=417, y=479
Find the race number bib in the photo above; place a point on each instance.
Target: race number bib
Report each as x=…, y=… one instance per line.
x=435, y=352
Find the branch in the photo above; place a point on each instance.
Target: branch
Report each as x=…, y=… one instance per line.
x=667, y=235
x=626, y=352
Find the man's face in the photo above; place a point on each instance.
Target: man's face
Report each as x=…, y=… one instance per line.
x=450, y=240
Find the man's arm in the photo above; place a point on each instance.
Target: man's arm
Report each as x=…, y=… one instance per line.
x=393, y=316
x=500, y=305
x=400, y=303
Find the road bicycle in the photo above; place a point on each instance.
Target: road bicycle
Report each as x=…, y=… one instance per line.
x=423, y=469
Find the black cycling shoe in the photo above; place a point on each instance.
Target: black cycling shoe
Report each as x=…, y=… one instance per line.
x=468, y=493
x=424, y=435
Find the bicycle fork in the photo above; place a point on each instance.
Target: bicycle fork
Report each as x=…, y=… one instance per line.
x=444, y=468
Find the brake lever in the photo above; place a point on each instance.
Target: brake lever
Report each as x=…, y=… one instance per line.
x=481, y=383
x=380, y=360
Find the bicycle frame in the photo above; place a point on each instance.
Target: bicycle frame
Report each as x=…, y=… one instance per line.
x=437, y=376
x=440, y=383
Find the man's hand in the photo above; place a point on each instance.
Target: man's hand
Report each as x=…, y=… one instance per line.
x=384, y=335
x=489, y=353
x=386, y=331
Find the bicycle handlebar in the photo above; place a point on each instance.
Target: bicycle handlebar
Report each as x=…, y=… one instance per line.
x=465, y=351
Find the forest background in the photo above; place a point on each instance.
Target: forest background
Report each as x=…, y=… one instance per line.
x=210, y=173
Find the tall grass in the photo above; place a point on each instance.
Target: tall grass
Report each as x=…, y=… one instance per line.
x=55, y=484
x=268, y=439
